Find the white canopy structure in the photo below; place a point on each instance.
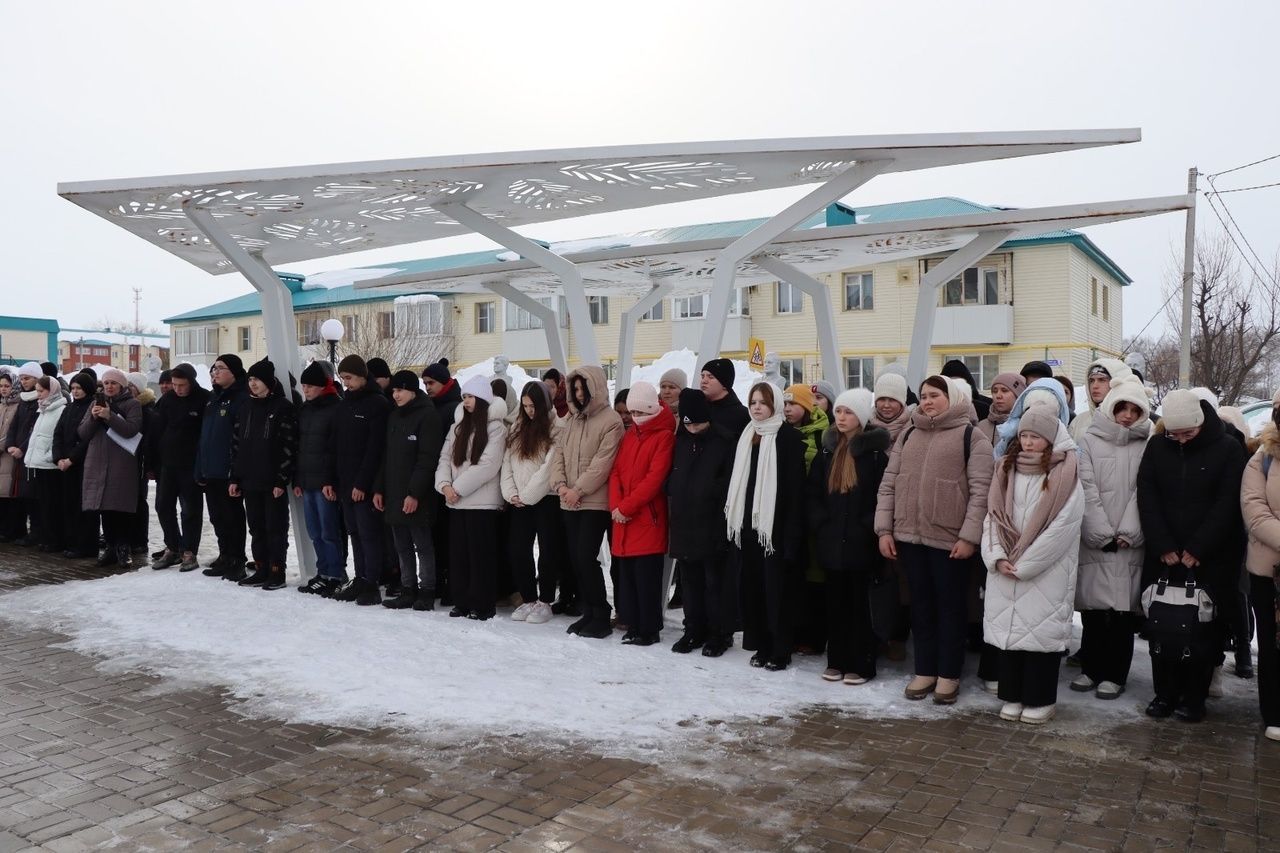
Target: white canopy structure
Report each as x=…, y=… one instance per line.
x=249, y=220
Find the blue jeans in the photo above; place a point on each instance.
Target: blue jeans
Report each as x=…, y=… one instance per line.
x=324, y=526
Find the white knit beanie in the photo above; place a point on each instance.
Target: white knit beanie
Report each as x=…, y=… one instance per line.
x=643, y=397
x=1206, y=395
x=892, y=386
x=478, y=387
x=1180, y=409
x=960, y=391
x=138, y=381
x=859, y=401
x=31, y=369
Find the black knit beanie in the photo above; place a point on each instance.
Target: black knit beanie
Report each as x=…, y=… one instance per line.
x=438, y=371
x=234, y=364
x=378, y=368
x=314, y=374
x=405, y=380
x=264, y=371
x=722, y=370
x=354, y=365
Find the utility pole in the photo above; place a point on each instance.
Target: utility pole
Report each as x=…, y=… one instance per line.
x=1188, y=279
x=137, y=325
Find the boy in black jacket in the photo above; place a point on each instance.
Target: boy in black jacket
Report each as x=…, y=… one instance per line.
x=263, y=450
x=696, y=491
x=360, y=436
x=179, y=417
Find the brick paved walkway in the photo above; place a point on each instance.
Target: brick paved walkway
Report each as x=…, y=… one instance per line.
x=92, y=760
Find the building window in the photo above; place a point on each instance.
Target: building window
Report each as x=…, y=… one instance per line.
x=309, y=327
x=1093, y=296
x=791, y=370
x=350, y=327
x=198, y=340
x=1106, y=302
x=974, y=286
x=859, y=373
x=518, y=319
x=243, y=338
x=386, y=324
x=654, y=314
x=689, y=307
x=983, y=367
x=859, y=294
x=484, y=317
x=790, y=299
x=598, y=306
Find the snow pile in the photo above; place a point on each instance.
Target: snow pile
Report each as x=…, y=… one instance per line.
x=686, y=360
x=435, y=676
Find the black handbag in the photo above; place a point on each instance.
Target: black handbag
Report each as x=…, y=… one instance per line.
x=1174, y=614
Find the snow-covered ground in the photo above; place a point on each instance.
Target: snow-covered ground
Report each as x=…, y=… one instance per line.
x=300, y=658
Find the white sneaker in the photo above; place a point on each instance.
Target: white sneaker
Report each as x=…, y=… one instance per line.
x=521, y=613
x=1038, y=716
x=1083, y=684
x=1012, y=711
x=1272, y=733
x=992, y=687
x=1109, y=690
x=539, y=612
x=1215, y=685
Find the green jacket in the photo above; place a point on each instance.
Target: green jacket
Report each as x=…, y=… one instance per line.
x=812, y=435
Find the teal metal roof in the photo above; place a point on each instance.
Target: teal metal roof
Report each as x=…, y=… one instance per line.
x=29, y=324
x=835, y=214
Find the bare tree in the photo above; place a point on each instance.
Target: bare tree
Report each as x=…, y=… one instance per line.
x=420, y=334
x=123, y=327
x=1160, y=355
x=1235, y=317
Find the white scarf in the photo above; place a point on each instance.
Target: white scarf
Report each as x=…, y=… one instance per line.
x=765, y=497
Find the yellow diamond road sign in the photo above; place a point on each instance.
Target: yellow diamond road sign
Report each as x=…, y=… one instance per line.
x=755, y=347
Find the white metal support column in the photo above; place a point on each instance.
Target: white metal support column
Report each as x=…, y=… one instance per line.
x=927, y=300
x=277, y=317
x=752, y=242
x=547, y=314
x=575, y=293
x=627, y=332
x=823, y=317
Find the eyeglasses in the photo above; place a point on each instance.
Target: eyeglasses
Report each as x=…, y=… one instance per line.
x=1182, y=434
x=216, y=369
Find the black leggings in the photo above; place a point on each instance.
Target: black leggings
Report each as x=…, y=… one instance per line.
x=585, y=529
x=541, y=521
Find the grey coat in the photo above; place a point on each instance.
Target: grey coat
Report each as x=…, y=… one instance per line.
x=8, y=409
x=1109, y=460
x=110, y=471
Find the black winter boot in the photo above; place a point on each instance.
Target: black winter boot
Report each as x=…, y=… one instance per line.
x=275, y=578
x=258, y=577
x=106, y=557
x=425, y=600
x=123, y=557
x=235, y=571
x=408, y=595
x=350, y=591
x=369, y=595
x=598, y=628
x=583, y=621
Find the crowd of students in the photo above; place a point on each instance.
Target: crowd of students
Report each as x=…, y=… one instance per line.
x=806, y=519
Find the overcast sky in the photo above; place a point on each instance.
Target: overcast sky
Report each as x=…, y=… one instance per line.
x=103, y=90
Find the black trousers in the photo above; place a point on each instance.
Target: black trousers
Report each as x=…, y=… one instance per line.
x=707, y=606
x=1106, y=644
x=49, y=497
x=525, y=523
x=639, y=592
x=176, y=487
x=1029, y=677
x=939, y=608
x=851, y=641
x=364, y=524
x=140, y=532
x=117, y=527
x=584, y=531
x=440, y=541
x=473, y=540
x=416, y=554
x=82, y=527
x=1233, y=618
x=268, y=527
x=227, y=516
x=1262, y=595
x=763, y=584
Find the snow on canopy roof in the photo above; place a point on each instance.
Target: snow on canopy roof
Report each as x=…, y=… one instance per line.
x=623, y=268
x=305, y=212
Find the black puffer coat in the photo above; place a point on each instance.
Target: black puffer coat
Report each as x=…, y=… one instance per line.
x=413, y=452
x=788, y=514
x=446, y=403
x=696, y=490
x=843, y=525
x=317, y=455
x=178, y=422
x=213, y=457
x=359, y=436
x=1189, y=500
x=66, y=441
x=729, y=417
x=265, y=444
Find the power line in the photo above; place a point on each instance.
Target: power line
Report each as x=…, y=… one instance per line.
x=1252, y=251
x=1243, y=189
x=1245, y=257
x=1133, y=340
x=1245, y=166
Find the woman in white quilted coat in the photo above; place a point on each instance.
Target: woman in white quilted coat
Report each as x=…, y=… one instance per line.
x=1031, y=546
x=1110, y=578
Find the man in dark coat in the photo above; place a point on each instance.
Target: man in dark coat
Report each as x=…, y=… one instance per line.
x=315, y=480
x=360, y=435
x=405, y=490
x=179, y=418
x=446, y=395
x=213, y=465
x=696, y=488
x=729, y=417
x=1189, y=505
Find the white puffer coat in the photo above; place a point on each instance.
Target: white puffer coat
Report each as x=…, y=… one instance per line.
x=1033, y=612
x=478, y=486
x=1109, y=460
x=40, y=446
x=529, y=479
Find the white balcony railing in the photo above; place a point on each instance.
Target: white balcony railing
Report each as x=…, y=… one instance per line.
x=959, y=325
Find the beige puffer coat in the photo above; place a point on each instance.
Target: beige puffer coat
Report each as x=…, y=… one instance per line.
x=1109, y=460
x=1260, y=503
x=929, y=496
x=588, y=443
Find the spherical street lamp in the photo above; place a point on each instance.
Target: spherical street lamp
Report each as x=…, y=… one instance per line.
x=332, y=331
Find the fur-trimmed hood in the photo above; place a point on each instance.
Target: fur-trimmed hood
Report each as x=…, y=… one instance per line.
x=497, y=411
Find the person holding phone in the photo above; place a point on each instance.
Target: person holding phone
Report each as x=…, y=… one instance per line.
x=110, y=486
